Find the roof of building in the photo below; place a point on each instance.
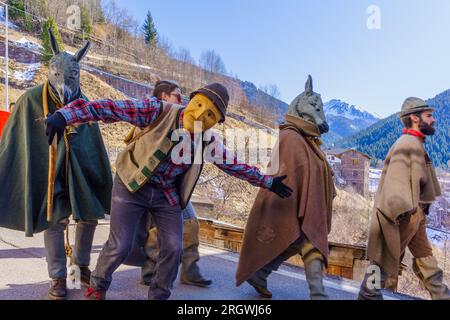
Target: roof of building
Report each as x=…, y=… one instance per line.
x=339, y=152
x=334, y=152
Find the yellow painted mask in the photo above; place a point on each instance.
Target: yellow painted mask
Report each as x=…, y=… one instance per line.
x=201, y=109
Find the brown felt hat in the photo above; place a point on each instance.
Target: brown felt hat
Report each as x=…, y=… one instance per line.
x=218, y=94
x=414, y=105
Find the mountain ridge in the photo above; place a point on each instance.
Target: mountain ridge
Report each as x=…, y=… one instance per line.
x=377, y=139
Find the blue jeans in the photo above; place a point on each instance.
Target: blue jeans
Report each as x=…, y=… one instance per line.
x=128, y=210
x=55, y=249
x=146, y=245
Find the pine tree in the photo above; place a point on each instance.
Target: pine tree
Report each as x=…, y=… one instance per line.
x=86, y=23
x=16, y=10
x=18, y=15
x=149, y=30
x=45, y=39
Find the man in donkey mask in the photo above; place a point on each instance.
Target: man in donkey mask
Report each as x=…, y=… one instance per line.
x=83, y=179
x=408, y=187
x=277, y=230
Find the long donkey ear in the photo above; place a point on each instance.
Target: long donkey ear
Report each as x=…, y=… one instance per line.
x=82, y=52
x=309, y=86
x=53, y=42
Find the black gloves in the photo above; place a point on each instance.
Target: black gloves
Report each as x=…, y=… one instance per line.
x=405, y=215
x=55, y=124
x=426, y=208
x=279, y=188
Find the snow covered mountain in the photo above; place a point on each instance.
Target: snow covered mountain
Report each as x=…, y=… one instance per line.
x=346, y=120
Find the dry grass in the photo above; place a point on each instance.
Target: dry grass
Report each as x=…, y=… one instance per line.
x=351, y=216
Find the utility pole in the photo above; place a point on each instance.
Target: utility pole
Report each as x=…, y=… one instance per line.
x=6, y=57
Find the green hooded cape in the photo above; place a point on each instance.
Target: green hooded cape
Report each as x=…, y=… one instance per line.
x=24, y=156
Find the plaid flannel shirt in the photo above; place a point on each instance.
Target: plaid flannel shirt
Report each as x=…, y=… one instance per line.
x=142, y=114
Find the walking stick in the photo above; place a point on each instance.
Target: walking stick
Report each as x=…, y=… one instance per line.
x=51, y=160
x=51, y=178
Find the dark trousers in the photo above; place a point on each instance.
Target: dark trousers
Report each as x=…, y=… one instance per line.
x=191, y=243
x=127, y=211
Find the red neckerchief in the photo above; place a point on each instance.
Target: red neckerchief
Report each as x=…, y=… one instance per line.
x=414, y=133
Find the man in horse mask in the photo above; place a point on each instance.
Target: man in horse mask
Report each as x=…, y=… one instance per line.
x=83, y=179
x=277, y=230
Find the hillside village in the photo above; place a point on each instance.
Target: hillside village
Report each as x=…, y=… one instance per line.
x=116, y=75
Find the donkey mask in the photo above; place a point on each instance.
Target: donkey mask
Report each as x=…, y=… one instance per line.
x=309, y=106
x=64, y=71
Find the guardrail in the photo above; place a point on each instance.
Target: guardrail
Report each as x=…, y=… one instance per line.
x=346, y=261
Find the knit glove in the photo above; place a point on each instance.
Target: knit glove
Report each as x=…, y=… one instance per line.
x=279, y=188
x=55, y=124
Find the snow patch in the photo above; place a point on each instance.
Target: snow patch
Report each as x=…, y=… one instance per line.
x=28, y=73
x=340, y=108
x=2, y=19
x=25, y=43
x=375, y=173
x=438, y=238
x=143, y=66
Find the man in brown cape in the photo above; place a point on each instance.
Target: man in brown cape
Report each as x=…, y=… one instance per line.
x=408, y=187
x=277, y=230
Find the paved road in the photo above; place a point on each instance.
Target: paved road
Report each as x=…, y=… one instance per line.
x=23, y=275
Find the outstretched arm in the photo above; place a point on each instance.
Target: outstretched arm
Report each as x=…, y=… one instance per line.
x=138, y=113
x=253, y=175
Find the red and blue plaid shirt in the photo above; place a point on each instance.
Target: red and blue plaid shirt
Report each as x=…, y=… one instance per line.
x=142, y=114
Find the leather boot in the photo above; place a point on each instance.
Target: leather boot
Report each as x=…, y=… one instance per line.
x=432, y=277
x=314, y=276
x=259, y=287
x=370, y=280
x=58, y=290
x=190, y=272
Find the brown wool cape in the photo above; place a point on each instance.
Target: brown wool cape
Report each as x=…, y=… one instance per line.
x=408, y=179
x=275, y=223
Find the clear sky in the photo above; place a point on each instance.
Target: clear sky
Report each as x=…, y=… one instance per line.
x=281, y=42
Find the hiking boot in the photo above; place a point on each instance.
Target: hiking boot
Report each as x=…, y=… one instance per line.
x=190, y=275
x=199, y=282
x=314, y=276
x=432, y=277
x=263, y=291
x=58, y=289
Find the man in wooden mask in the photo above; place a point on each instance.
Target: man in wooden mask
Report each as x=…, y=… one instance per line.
x=150, y=177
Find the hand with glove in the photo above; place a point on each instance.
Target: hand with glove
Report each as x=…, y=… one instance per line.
x=279, y=188
x=426, y=208
x=55, y=124
x=405, y=215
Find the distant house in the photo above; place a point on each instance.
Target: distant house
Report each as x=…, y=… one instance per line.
x=333, y=156
x=352, y=167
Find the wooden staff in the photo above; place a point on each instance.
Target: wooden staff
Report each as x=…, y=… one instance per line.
x=52, y=152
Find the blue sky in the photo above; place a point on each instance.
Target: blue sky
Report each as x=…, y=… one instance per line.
x=281, y=42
